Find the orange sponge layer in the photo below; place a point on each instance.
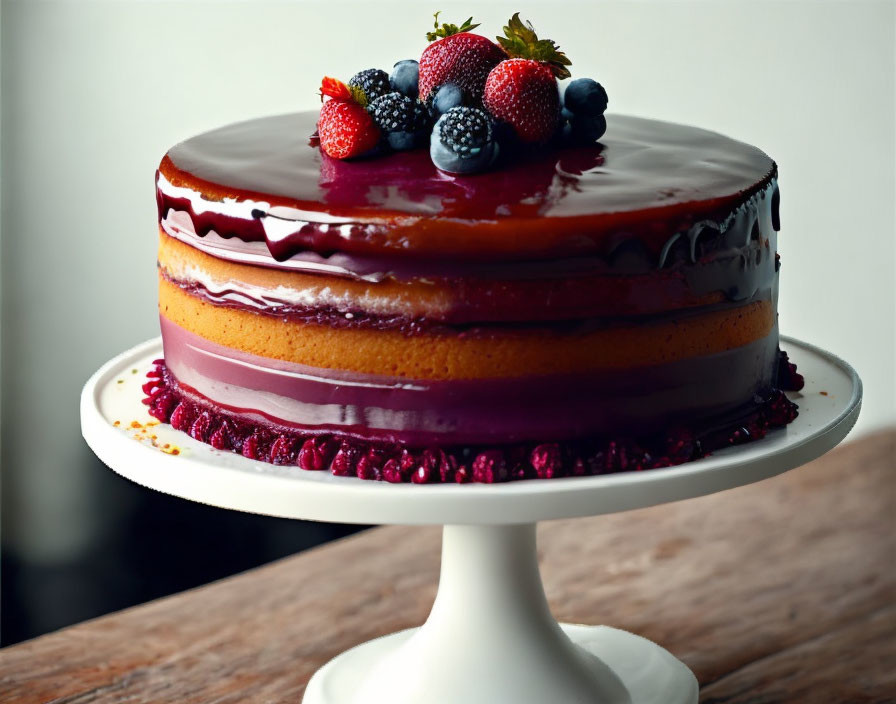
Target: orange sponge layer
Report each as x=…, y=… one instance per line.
x=486, y=352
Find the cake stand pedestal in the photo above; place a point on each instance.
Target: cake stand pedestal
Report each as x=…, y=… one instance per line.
x=490, y=638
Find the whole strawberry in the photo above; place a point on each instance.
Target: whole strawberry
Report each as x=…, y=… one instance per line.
x=522, y=91
x=457, y=56
x=344, y=126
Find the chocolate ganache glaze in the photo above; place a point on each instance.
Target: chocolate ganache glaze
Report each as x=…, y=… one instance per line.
x=263, y=182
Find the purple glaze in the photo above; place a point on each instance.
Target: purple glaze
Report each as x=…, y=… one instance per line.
x=460, y=412
x=645, y=177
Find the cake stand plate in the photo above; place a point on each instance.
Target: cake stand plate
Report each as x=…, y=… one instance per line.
x=490, y=637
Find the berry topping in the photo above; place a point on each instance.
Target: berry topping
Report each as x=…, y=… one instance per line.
x=223, y=437
x=513, y=80
x=523, y=93
x=681, y=445
x=789, y=378
x=446, y=97
x=161, y=404
x=405, y=121
x=394, y=112
x=463, y=475
x=586, y=97
x=780, y=410
x=336, y=89
x=255, y=446
x=345, y=459
x=392, y=472
x=405, y=78
x=201, y=427
x=521, y=42
x=371, y=464
x=547, y=461
x=315, y=454
x=373, y=81
x=346, y=129
x=457, y=56
x=489, y=467
x=465, y=130
x=583, y=129
x=183, y=416
x=375, y=461
x=446, y=30
x=284, y=450
x=462, y=141
x=423, y=474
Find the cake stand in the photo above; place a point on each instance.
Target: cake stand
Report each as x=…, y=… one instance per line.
x=490, y=638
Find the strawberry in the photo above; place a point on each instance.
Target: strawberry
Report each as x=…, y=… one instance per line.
x=522, y=91
x=344, y=126
x=459, y=57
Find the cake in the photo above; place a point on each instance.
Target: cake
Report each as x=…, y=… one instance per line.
x=580, y=308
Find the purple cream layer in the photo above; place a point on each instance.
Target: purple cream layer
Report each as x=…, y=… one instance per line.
x=472, y=412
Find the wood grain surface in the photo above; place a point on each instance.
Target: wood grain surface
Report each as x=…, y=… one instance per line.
x=784, y=591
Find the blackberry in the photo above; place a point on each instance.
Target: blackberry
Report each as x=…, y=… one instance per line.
x=395, y=112
x=373, y=81
x=422, y=118
x=466, y=131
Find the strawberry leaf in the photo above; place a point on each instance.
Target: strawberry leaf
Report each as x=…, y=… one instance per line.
x=521, y=41
x=359, y=96
x=446, y=30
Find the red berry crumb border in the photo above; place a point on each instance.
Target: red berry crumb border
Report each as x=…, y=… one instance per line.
x=468, y=98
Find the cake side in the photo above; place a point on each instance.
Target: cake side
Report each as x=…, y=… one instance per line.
x=462, y=272
x=650, y=338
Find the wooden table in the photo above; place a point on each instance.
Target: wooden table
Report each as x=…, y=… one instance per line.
x=784, y=591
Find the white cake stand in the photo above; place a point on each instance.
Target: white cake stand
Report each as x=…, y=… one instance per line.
x=490, y=638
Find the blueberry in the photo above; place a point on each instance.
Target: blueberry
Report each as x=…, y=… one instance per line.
x=405, y=77
x=402, y=141
x=462, y=142
x=446, y=97
x=448, y=160
x=586, y=130
x=585, y=96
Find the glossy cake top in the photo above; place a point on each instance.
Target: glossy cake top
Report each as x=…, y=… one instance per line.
x=644, y=177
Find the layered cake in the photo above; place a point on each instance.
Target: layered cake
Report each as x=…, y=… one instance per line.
x=572, y=305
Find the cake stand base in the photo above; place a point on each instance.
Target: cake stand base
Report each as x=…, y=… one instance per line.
x=646, y=673
x=491, y=638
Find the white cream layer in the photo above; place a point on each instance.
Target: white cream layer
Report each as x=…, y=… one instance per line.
x=321, y=296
